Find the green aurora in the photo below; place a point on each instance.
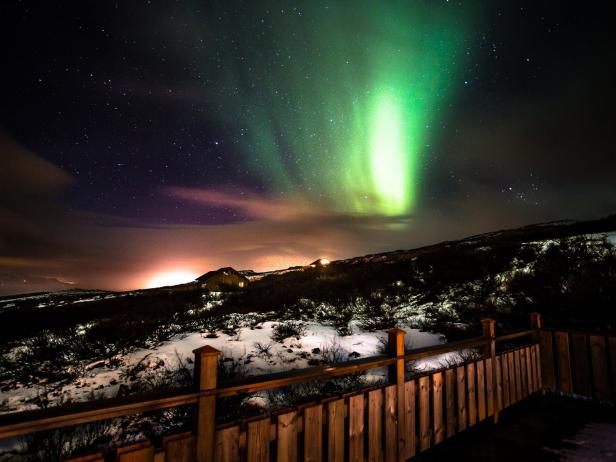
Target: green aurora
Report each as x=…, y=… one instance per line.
x=336, y=103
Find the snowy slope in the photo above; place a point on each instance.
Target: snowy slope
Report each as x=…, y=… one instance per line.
x=102, y=380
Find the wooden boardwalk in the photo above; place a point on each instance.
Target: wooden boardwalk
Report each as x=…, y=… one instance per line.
x=539, y=429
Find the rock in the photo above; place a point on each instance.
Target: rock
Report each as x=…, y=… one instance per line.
x=95, y=365
x=313, y=362
x=316, y=351
x=354, y=354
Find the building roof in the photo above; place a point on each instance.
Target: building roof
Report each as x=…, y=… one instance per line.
x=224, y=271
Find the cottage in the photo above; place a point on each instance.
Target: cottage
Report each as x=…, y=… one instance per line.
x=320, y=263
x=222, y=279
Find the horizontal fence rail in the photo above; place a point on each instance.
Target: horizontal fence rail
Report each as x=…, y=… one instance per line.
x=389, y=422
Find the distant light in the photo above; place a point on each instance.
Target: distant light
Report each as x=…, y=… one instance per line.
x=171, y=278
x=324, y=261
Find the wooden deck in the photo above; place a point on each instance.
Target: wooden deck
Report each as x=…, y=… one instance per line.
x=541, y=428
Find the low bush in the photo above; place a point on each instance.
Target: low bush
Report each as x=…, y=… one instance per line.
x=288, y=329
x=333, y=353
x=375, y=313
x=338, y=315
x=263, y=349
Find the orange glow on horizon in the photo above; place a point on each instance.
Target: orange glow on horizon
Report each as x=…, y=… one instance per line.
x=183, y=270
x=171, y=278
x=277, y=262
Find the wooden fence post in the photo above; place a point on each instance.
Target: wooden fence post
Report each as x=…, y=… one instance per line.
x=489, y=351
x=205, y=375
x=397, y=375
x=535, y=323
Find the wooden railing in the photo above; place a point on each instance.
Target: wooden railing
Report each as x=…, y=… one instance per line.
x=389, y=422
x=579, y=363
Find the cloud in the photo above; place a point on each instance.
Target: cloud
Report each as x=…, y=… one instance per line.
x=29, y=190
x=247, y=204
x=15, y=283
x=26, y=175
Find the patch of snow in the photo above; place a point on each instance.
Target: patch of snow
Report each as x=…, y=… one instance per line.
x=100, y=379
x=85, y=300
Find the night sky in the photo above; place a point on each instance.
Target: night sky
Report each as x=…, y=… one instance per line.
x=145, y=140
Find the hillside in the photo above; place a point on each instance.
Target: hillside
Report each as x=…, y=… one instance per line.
x=554, y=267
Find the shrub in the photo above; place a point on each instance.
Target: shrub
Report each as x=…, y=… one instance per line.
x=338, y=315
x=313, y=390
x=230, y=370
x=263, y=349
x=288, y=329
x=211, y=322
x=333, y=353
x=57, y=445
x=460, y=357
x=180, y=375
x=376, y=314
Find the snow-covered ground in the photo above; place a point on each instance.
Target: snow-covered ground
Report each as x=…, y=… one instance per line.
x=252, y=349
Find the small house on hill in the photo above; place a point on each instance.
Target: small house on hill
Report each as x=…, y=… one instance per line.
x=320, y=263
x=222, y=279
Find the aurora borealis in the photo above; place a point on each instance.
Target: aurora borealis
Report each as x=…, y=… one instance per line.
x=338, y=108
x=148, y=138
